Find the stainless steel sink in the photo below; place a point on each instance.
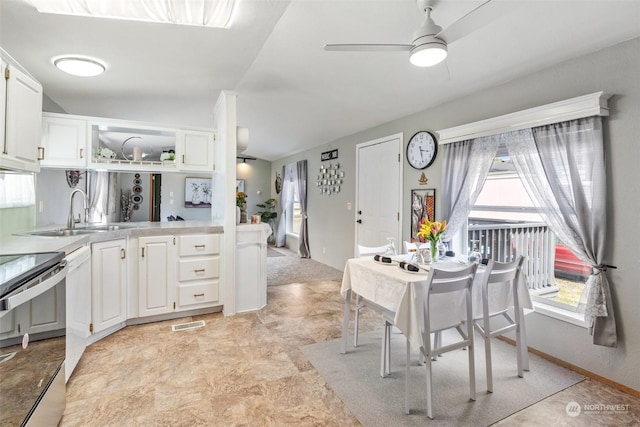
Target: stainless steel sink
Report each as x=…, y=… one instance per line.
x=63, y=232
x=81, y=229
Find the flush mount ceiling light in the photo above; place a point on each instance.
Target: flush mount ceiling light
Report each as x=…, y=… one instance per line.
x=205, y=13
x=79, y=66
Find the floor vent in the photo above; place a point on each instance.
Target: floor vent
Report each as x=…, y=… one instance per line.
x=186, y=326
x=7, y=356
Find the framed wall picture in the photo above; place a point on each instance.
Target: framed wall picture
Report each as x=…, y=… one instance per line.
x=197, y=192
x=423, y=205
x=240, y=185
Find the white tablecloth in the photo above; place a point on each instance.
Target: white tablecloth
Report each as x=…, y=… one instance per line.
x=402, y=292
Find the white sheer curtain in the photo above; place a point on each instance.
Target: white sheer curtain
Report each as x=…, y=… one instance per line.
x=466, y=165
x=17, y=190
x=289, y=173
x=563, y=169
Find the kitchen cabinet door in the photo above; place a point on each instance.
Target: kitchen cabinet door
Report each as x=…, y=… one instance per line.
x=23, y=118
x=156, y=275
x=3, y=107
x=64, y=142
x=196, y=150
x=108, y=284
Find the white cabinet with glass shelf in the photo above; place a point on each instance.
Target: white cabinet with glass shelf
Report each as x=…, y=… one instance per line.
x=64, y=141
x=124, y=145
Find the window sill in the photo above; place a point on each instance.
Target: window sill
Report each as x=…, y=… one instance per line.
x=560, y=314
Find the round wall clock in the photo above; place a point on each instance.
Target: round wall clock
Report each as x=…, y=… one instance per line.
x=422, y=150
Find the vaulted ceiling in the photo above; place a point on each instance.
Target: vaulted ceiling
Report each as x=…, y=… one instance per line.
x=294, y=95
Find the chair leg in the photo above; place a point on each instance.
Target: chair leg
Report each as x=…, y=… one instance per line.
x=385, y=355
x=357, y=322
x=485, y=332
x=406, y=378
x=427, y=365
x=524, y=350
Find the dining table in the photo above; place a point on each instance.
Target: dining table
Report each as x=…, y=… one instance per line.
x=392, y=288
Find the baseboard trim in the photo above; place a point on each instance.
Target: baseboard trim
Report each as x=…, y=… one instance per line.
x=620, y=387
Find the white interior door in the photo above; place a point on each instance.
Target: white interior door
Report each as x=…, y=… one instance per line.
x=379, y=191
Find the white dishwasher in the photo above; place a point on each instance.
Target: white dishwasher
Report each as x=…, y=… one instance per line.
x=78, y=301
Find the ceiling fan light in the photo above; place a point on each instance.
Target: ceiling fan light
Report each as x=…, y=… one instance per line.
x=79, y=66
x=429, y=53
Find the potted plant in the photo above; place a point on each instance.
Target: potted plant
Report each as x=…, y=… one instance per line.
x=268, y=216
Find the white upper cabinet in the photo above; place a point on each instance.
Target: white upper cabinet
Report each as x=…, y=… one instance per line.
x=196, y=150
x=3, y=105
x=22, y=118
x=64, y=141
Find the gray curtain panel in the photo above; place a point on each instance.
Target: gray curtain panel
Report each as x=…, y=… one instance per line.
x=466, y=165
x=563, y=169
x=302, y=196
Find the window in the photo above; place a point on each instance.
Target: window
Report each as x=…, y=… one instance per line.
x=293, y=210
x=504, y=222
x=17, y=190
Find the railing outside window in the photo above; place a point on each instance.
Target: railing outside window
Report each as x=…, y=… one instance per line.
x=504, y=241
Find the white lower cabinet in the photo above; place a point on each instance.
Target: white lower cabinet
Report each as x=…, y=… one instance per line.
x=198, y=271
x=156, y=275
x=108, y=284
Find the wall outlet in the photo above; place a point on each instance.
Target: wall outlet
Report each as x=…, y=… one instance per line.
x=323, y=250
x=348, y=206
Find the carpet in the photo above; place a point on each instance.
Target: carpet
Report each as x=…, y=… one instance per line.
x=272, y=253
x=290, y=268
x=377, y=401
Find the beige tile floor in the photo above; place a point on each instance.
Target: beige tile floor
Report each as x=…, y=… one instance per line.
x=248, y=370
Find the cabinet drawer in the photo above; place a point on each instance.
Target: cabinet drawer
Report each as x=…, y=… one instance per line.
x=198, y=294
x=198, y=268
x=200, y=244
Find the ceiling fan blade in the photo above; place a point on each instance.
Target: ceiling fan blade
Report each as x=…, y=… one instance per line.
x=476, y=19
x=368, y=47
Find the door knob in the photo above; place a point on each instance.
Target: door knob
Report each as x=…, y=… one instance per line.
x=359, y=221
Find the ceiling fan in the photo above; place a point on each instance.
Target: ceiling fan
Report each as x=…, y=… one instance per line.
x=429, y=46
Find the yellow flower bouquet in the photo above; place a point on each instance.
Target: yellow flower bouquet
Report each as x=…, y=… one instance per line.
x=432, y=231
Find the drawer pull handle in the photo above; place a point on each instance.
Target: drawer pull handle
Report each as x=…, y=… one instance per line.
x=199, y=270
x=198, y=246
x=40, y=153
x=198, y=295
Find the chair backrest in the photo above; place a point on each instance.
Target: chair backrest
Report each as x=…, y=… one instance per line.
x=371, y=250
x=499, y=279
x=410, y=247
x=448, y=281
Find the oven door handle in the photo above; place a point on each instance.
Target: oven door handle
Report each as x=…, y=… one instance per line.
x=23, y=295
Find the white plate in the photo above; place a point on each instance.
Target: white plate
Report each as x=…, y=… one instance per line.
x=386, y=263
x=420, y=271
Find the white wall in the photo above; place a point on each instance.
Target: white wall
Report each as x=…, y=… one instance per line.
x=614, y=70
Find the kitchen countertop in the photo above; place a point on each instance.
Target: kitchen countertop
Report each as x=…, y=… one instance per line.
x=24, y=243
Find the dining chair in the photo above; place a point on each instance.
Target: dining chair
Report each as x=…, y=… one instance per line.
x=499, y=292
x=458, y=283
x=364, y=251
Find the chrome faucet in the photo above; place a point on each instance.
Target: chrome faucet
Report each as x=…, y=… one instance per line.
x=70, y=221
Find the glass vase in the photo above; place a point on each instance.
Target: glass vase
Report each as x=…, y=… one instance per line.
x=434, y=251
